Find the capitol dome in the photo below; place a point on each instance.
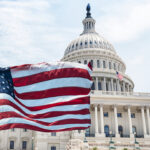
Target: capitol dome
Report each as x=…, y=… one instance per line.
x=91, y=47
x=89, y=38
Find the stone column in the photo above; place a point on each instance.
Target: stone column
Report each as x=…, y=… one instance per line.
x=148, y=119
x=109, y=86
x=112, y=85
x=130, y=122
x=143, y=121
x=118, y=85
x=128, y=87
x=102, y=121
x=96, y=86
x=124, y=89
x=104, y=84
x=116, y=121
x=96, y=122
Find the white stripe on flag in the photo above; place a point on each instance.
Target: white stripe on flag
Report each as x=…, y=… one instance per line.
x=55, y=83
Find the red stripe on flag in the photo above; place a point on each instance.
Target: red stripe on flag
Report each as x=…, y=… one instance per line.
x=53, y=93
x=49, y=75
x=31, y=127
x=83, y=100
x=44, y=115
x=12, y=114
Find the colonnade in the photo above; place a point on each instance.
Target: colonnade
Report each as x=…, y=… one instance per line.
x=146, y=129
x=111, y=84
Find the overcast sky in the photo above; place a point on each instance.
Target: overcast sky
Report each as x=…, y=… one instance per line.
x=34, y=31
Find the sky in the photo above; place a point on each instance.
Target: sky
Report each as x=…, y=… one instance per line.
x=33, y=31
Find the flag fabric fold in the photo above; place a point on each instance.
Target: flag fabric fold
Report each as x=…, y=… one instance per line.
x=48, y=97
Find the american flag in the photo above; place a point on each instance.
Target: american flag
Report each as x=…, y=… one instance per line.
x=46, y=97
x=120, y=77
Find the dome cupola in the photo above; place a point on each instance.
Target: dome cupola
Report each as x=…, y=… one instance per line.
x=88, y=22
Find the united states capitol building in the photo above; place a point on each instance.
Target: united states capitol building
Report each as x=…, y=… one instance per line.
x=120, y=117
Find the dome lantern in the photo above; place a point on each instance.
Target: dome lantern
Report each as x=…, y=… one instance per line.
x=88, y=22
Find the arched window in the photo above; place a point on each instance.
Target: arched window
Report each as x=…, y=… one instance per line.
x=79, y=62
x=91, y=63
x=72, y=46
x=106, y=130
x=99, y=86
x=104, y=64
x=87, y=132
x=76, y=45
x=107, y=86
x=120, y=130
x=89, y=25
x=114, y=66
x=98, y=64
x=133, y=129
x=91, y=43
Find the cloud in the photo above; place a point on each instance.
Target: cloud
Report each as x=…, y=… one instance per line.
x=27, y=32
x=125, y=22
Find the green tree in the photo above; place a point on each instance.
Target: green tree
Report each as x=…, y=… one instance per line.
x=95, y=148
x=125, y=149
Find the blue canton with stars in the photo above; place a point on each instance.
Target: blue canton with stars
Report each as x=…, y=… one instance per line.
x=6, y=83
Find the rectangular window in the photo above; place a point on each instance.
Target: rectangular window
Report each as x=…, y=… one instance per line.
x=13, y=129
x=53, y=147
x=119, y=115
x=105, y=114
x=53, y=133
x=93, y=86
x=24, y=130
x=99, y=86
x=109, y=65
x=11, y=144
x=24, y=145
x=132, y=115
x=85, y=61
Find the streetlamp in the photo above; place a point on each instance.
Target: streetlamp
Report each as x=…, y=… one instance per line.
x=136, y=143
x=135, y=138
x=110, y=133
x=32, y=143
x=111, y=143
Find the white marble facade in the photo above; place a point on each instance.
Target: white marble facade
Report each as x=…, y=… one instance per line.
x=116, y=110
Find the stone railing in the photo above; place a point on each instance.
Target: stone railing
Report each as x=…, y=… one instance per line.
x=115, y=93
